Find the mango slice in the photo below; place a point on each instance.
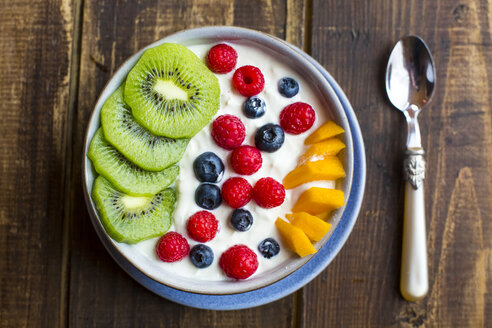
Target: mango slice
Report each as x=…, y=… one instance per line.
x=322, y=149
x=327, y=130
x=324, y=215
x=294, y=238
x=329, y=168
x=317, y=200
x=313, y=227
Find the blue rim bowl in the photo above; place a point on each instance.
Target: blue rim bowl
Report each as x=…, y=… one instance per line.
x=305, y=269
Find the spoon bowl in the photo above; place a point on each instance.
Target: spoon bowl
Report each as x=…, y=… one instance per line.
x=410, y=74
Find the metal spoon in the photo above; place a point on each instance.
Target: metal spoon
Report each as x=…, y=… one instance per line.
x=410, y=83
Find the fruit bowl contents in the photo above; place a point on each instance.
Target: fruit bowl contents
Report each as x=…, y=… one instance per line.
x=216, y=162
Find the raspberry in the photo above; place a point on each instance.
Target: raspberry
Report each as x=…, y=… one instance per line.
x=221, y=58
x=297, y=118
x=246, y=160
x=236, y=192
x=202, y=226
x=228, y=131
x=238, y=262
x=248, y=80
x=268, y=193
x=172, y=247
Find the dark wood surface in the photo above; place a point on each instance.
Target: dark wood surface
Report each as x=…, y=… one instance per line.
x=57, y=56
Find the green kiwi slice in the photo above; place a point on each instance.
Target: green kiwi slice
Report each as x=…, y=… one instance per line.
x=125, y=175
x=150, y=152
x=171, y=92
x=130, y=219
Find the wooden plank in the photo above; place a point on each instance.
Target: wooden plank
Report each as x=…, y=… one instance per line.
x=360, y=288
x=296, y=25
x=268, y=16
x=35, y=61
x=101, y=294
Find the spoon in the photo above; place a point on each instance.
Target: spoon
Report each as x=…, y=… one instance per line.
x=410, y=83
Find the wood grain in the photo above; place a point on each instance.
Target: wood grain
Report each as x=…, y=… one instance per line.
x=36, y=40
x=297, y=23
x=353, y=41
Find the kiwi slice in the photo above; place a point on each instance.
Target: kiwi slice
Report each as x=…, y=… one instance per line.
x=171, y=92
x=130, y=219
x=125, y=175
x=150, y=152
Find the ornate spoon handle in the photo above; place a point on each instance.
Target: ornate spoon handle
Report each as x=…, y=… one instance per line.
x=414, y=282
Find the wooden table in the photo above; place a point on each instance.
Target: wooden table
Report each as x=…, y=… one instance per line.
x=56, y=57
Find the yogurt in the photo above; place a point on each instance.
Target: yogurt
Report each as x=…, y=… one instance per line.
x=275, y=165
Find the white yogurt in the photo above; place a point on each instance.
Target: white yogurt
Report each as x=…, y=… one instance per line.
x=275, y=165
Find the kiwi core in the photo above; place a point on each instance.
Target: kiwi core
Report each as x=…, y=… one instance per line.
x=169, y=90
x=134, y=202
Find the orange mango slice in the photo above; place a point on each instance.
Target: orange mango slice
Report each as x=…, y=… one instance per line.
x=329, y=168
x=313, y=227
x=327, y=130
x=324, y=215
x=323, y=149
x=318, y=200
x=294, y=238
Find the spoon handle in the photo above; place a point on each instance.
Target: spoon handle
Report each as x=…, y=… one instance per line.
x=414, y=282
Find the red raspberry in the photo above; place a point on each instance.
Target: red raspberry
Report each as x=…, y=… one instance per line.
x=246, y=160
x=202, y=226
x=172, y=247
x=228, y=131
x=297, y=118
x=248, y=80
x=268, y=193
x=238, y=262
x=236, y=192
x=221, y=58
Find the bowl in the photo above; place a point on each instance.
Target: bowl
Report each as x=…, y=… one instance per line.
x=143, y=270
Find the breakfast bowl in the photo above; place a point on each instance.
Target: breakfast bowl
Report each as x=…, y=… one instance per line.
x=286, y=273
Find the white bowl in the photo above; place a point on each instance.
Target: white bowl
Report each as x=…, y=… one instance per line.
x=284, y=53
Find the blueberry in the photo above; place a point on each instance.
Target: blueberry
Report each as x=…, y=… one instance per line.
x=269, y=248
x=288, y=87
x=254, y=107
x=269, y=137
x=201, y=256
x=241, y=219
x=208, y=167
x=207, y=196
